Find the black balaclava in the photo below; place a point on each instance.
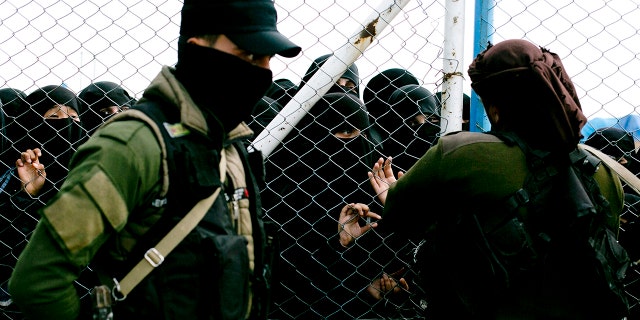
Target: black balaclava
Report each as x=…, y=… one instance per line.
x=282, y=90
x=351, y=73
x=266, y=109
x=404, y=143
x=99, y=95
x=224, y=86
x=58, y=138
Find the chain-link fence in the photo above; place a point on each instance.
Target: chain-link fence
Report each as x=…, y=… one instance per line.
x=421, y=48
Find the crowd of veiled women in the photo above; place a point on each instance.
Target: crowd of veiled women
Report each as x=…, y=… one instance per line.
x=318, y=169
x=43, y=127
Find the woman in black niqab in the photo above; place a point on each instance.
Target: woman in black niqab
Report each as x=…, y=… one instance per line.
x=57, y=137
x=310, y=177
x=411, y=125
x=351, y=73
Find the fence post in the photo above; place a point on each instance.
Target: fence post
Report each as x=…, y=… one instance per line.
x=453, y=66
x=483, y=34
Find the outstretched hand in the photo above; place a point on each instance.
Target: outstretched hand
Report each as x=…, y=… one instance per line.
x=349, y=227
x=30, y=171
x=381, y=178
x=388, y=284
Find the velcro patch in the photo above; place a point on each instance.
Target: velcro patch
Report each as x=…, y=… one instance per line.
x=108, y=199
x=176, y=130
x=75, y=219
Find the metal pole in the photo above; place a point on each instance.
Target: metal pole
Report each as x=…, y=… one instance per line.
x=483, y=34
x=453, y=66
x=328, y=74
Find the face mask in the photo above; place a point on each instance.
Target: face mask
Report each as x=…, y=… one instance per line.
x=222, y=85
x=407, y=144
x=58, y=139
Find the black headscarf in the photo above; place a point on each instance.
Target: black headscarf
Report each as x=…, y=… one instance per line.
x=266, y=109
x=351, y=73
x=99, y=95
x=312, y=147
x=313, y=161
x=12, y=101
x=13, y=105
x=526, y=82
x=381, y=86
x=310, y=177
x=376, y=96
x=58, y=138
x=404, y=143
x=6, y=155
x=282, y=90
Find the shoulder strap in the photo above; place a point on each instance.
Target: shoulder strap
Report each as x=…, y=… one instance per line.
x=155, y=255
x=625, y=175
x=157, y=131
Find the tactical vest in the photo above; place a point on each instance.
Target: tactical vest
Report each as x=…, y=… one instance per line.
x=218, y=270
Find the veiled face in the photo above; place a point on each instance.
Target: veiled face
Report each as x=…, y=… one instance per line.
x=61, y=112
x=107, y=111
x=347, y=83
x=347, y=133
x=419, y=119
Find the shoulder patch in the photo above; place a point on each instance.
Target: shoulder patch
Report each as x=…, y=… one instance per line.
x=176, y=130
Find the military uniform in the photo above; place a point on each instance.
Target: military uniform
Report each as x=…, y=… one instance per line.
x=104, y=209
x=465, y=174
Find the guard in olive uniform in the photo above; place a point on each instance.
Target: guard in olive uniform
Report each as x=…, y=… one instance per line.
x=147, y=167
x=475, y=173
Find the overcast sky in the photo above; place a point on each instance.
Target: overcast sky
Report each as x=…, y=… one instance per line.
x=49, y=41
x=75, y=41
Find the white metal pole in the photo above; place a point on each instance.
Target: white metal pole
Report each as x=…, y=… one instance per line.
x=453, y=66
x=328, y=74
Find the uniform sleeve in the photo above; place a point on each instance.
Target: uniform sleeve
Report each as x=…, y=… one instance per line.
x=41, y=283
x=405, y=209
x=110, y=175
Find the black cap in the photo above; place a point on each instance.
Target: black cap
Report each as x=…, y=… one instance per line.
x=250, y=24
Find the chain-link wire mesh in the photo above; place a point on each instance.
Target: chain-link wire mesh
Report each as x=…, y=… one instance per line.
x=74, y=43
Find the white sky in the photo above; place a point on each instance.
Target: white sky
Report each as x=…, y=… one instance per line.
x=49, y=41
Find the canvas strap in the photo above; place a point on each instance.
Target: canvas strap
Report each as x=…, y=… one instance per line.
x=155, y=255
x=625, y=175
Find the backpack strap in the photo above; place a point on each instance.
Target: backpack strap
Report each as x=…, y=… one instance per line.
x=155, y=255
x=625, y=175
x=538, y=162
